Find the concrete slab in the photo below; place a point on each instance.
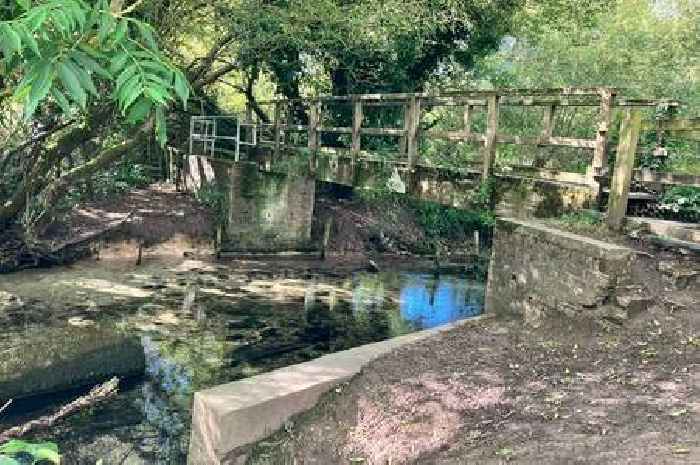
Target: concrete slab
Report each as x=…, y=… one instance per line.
x=689, y=232
x=45, y=360
x=228, y=417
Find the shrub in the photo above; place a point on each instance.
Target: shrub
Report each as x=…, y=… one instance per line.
x=682, y=202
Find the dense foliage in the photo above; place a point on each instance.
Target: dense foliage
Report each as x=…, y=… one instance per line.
x=70, y=51
x=17, y=452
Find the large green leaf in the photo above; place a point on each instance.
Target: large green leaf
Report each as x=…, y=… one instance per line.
x=83, y=77
x=72, y=84
x=10, y=42
x=42, y=79
x=161, y=125
x=182, y=88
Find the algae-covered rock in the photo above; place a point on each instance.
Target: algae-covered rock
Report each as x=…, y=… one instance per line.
x=50, y=359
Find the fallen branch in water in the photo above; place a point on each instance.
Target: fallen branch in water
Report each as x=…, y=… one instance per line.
x=4, y=407
x=95, y=396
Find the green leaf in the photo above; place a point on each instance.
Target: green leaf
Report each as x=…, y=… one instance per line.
x=158, y=95
x=182, y=88
x=146, y=32
x=24, y=4
x=83, y=76
x=36, y=17
x=106, y=26
x=28, y=37
x=10, y=42
x=61, y=100
x=46, y=452
x=129, y=92
x=121, y=32
x=42, y=79
x=161, y=126
x=139, y=110
x=72, y=84
x=125, y=76
x=118, y=62
x=87, y=62
x=14, y=446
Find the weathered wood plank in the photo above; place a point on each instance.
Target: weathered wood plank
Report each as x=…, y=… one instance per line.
x=412, y=132
x=624, y=165
x=600, y=154
x=357, y=117
x=548, y=123
x=489, y=149
x=314, y=114
x=278, y=134
x=553, y=141
x=383, y=132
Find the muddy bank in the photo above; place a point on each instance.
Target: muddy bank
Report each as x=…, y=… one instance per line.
x=153, y=218
x=626, y=396
x=499, y=391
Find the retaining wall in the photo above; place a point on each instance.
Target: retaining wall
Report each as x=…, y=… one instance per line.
x=537, y=271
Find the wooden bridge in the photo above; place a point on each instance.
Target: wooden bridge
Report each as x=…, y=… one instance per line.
x=446, y=147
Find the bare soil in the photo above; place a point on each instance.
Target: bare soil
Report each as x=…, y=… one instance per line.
x=496, y=391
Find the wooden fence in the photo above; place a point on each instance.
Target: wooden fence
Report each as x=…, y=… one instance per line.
x=306, y=116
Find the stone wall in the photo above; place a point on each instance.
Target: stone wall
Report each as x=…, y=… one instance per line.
x=269, y=211
x=264, y=211
x=537, y=271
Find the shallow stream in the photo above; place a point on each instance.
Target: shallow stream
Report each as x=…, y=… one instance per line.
x=204, y=324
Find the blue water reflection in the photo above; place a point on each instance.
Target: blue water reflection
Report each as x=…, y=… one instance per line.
x=424, y=300
x=428, y=302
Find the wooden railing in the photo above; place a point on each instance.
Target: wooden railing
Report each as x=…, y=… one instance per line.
x=284, y=117
x=603, y=98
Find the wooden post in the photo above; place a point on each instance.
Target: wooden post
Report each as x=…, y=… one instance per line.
x=326, y=237
x=313, y=125
x=600, y=153
x=468, y=110
x=248, y=113
x=413, y=125
x=624, y=164
x=357, y=118
x=314, y=118
x=278, y=134
x=548, y=123
x=403, y=140
x=491, y=132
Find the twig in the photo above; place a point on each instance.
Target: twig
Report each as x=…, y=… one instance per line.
x=96, y=395
x=4, y=407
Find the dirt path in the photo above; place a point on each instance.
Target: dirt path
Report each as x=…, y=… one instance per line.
x=497, y=392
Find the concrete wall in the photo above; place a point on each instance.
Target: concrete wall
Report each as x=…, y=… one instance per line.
x=265, y=212
x=269, y=211
x=537, y=271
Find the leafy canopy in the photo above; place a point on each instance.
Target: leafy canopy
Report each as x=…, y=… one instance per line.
x=72, y=52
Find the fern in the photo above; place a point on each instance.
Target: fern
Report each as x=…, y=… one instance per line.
x=70, y=53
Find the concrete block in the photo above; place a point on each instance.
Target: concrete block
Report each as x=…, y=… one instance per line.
x=537, y=271
x=44, y=360
x=228, y=417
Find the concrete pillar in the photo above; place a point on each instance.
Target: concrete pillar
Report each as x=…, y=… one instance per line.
x=268, y=212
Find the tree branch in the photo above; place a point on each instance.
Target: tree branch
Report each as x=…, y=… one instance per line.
x=96, y=395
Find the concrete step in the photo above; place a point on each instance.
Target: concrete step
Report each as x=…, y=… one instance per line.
x=676, y=230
